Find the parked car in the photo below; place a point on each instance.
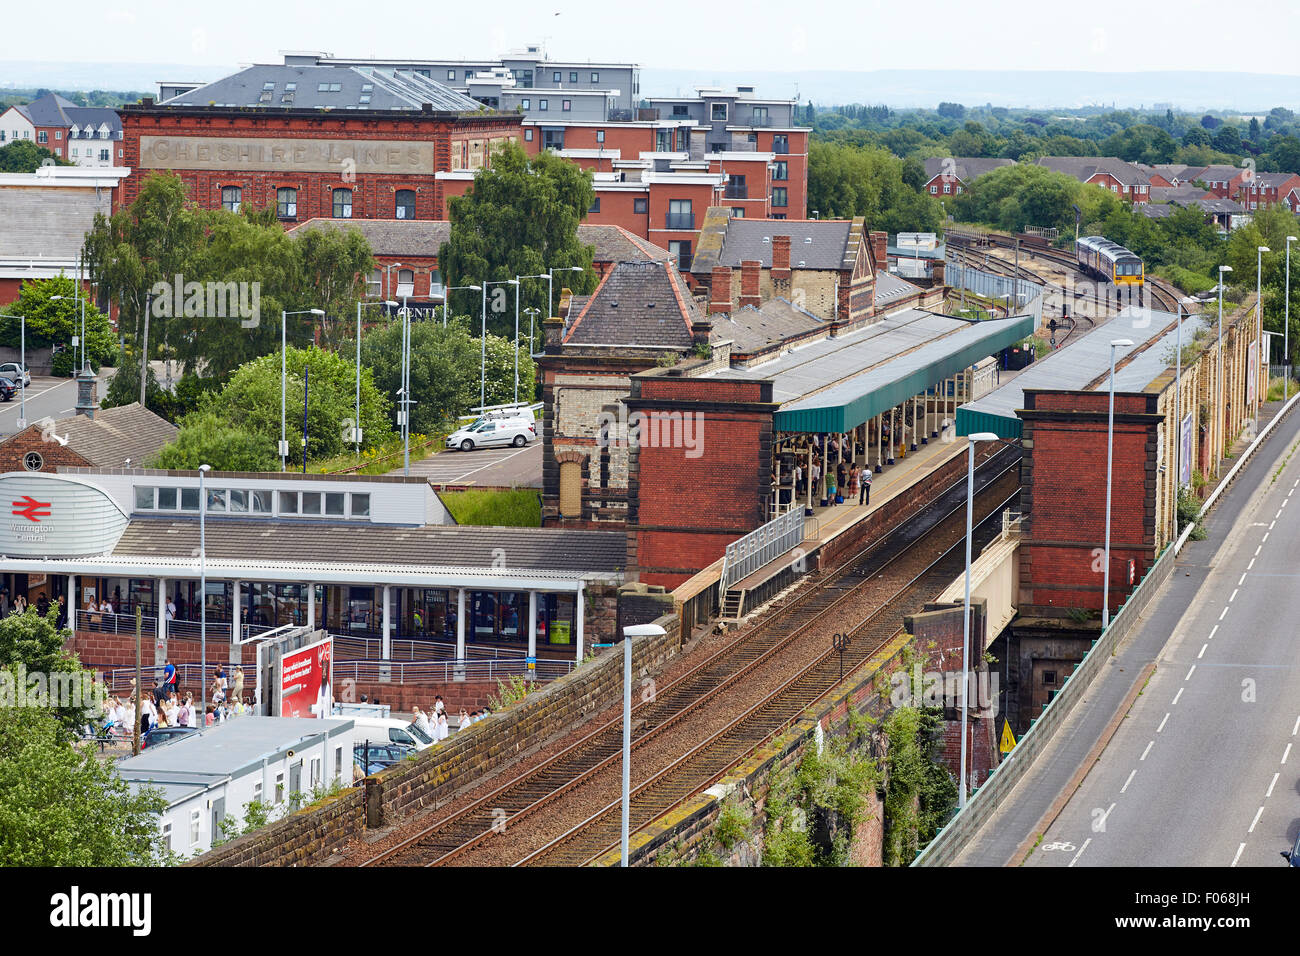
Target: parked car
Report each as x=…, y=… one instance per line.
x=164, y=735
x=389, y=730
x=381, y=755
x=517, y=430
x=15, y=372
x=7, y=390
x=1292, y=856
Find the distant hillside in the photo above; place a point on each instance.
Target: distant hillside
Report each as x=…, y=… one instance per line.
x=110, y=98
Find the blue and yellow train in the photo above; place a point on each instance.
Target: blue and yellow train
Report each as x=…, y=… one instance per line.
x=1099, y=257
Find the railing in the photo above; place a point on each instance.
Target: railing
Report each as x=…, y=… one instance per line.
x=677, y=220
x=114, y=623
x=736, y=192
x=993, y=286
x=444, y=672
x=370, y=648
x=767, y=543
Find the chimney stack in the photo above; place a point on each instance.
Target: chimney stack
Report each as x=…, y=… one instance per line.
x=880, y=250
x=937, y=271
x=700, y=330
x=780, y=258
x=750, y=270
x=720, y=290
x=552, y=334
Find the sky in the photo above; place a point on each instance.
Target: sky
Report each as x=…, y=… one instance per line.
x=1114, y=35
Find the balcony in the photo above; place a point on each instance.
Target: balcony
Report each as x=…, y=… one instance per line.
x=760, y=121
x=679, y=220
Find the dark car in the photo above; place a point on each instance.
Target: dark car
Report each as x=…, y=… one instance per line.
x=163, y=735
x=1292, y=856
x=7, y=390
x=381, y=755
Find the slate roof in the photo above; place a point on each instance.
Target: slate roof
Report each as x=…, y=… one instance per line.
x=964, y=168
x=1272, y=179
x=1179, y=194
x=890, y=287
x=55, y=110
x=541, y=549
x=1218, y=174
x=116, y=434
x=814, y=244
x=643, y=304
x=1084, y=168
x=388, y=90
x=753, y=329
x=1154, y=210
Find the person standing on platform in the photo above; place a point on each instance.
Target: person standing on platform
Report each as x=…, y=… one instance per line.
x=864, y=487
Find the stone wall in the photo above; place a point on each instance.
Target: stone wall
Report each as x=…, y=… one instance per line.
x=308, y=837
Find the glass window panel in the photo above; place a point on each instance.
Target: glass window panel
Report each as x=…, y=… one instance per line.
x=166, y=499
x=311, y=502
x=189, y=499
x=360, y=505
x=288, y=502
x=238, y=500
x=216, y=499
x=334, y=503
x=259, y=501
x=143, y=499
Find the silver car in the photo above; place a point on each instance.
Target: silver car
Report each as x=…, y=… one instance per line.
x=12, y=371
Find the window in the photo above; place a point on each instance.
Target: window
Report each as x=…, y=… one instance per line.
x=338, y=762
x=311, y=502
x=947, y=188
x=58, y=134
x=760, y=115
x=680, y=215
x=343, y=204
x=779, y=196
x=566, y=105
x=334, y=501
x=189, y=499
x=103, y=155
x=360, y=505
x=595, y=77
x=526, y=104
x=735, y=188
x=781, y=170
x=374, y=283
x=406, y=204
x=528, y=134
x=286, y=202
x=555, y=77
x=1049, y=677
x=737, y=212
x=279, y=787
x=167, y=835
x=553, y=138
x=42, y=136
x=405, y=282
x=257, y=791
x=143, y=499
x=194, y=827
x=595, y=206
x=74, y=152
x=600, y=136
x=573, y=76
x=230, y=197
x=290, y=87
x=681, y=249
x=166, y=499
x=781, y=144
x=640, y=204
x=313, y=772
x=259, y=501
x=216, y=499
x=541, y=104
x=364, y=99
x=238, y=501
x=288, y=502
x=718, y=112
x=451, y=74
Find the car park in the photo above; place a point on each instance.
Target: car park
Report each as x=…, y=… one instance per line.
x=16, y=373
x=516, y=429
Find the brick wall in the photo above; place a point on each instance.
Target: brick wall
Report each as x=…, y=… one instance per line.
x=305, y=838
x=54, y=455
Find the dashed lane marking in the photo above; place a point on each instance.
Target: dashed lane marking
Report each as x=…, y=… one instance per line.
x=1162, y=724
x=1150, y=744
x=1129, y=780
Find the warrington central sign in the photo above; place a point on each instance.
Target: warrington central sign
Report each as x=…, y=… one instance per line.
x=50, y=516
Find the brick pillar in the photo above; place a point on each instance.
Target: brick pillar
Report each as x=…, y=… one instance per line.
x=720, y=290
x=552, y=334
x=937, y=271
x=780, y=258
x=700, y=332
x=750, y=270
x=879, y=249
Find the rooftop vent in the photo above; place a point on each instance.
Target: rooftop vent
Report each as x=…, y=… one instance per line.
x=649, y=305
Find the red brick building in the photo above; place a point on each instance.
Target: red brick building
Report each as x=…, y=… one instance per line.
x=314, y=142
x=951, y=176
x=1126, y=180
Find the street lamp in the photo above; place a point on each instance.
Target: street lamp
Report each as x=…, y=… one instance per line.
x=1286, y=326
x=532, y=342
x=1259, y=322
x=1110, y=444
x=1178, y=394
x=284, y=349
x=965, y=630
x=356, y=425
x=636, y=630
x=1223, y=270
x=203, y=598
x=22, y=375
x=388, y=277
x=482, y=382
x=446, y=299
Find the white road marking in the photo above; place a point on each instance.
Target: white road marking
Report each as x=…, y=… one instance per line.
x=1287, y=753
x=1224, y=614
x=1176, y=696
x=1271, y=523
x=1242, y=581
x=1272, y=785
x=1150, y=744
x=1251, y=565
x=1082, y=848
x=1214, y=630
x=1262, y=540
x=1190, y=673
x=1234, y=595
x=1296, y=729
x=1202, y=654
x=1258, y=813
x=1278, y=515
x=1129, y=780
x=1238, y=856
x=1258, y=550
x=1162, y=724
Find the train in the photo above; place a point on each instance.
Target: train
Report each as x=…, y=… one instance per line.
x=1099, y=257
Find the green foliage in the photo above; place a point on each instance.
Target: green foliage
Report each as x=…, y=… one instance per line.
x=61, y=806
x=845, y=181
x=510, y=690
x=518, y=508
x=732, y=825
x=920, y=793
x=24, y=156
x=520, y=217
x=52, y=322
x=36, y=643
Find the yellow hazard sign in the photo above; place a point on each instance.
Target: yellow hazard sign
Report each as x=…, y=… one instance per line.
x=1008, y=738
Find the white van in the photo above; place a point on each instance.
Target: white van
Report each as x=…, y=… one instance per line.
x=518, y=429
x=381, y=730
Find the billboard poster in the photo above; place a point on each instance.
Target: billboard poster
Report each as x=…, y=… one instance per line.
x=1252, y=372
x=306, y=681
x=1185, y=451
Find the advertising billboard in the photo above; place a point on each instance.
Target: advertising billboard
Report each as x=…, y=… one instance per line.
x=306, y=678
x=1185, y=451
x=1252, y=372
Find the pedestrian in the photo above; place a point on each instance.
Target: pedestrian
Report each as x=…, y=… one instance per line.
x=239, y=682
x=464, y=720
x=20, y=604
x=61, y=618
x=442, y=728
x=42, y=605
x=438, y=706
x=171, y=609
x=169, y=678
x=864, y=487
x=422, y=723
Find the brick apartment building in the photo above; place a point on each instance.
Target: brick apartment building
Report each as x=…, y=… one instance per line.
x=314, y=142
x=83, y=135
x=951, y=176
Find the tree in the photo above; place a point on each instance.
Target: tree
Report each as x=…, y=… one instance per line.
x=846, y=181
x=53, y=322
x=35, y=644
x=24, y=156
x=62, y=806
x=1284, y=154
x=207, y=438
x=1227, y=139
x=951, y=110
x=520, y=217
x=334, y=264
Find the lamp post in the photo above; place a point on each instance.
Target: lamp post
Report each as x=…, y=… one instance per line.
x=1286, y=326
x=22, y=375
x=1110, y=445
x=203, y=597
x=284, y=351
x=446, y=299
x=965, y=630
x=356, y=425
x=1259, y=323
x=388, y=276
x=532, y=316
x=482, y=382
x=1223, y=270
x=636, y=630
x=1178, y=395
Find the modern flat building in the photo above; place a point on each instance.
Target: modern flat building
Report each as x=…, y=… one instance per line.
x=84, y=135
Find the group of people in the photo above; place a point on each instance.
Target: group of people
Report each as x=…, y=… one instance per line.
x=434, y=723
x=846, y=481
x=42, y=604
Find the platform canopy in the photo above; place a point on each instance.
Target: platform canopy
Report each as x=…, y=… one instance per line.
x=848, y=402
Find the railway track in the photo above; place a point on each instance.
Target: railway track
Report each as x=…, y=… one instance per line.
x=708, y=761
x=456, y=834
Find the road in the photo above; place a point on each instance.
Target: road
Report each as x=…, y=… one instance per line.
x=1204, y=769
x=491, y=467
x=53, y=397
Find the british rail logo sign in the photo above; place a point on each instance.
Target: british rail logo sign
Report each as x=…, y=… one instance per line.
x=31, y=509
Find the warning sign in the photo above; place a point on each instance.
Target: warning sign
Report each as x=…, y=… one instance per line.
x=1008, y=739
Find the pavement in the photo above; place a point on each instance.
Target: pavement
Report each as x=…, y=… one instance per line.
x=52, y=397
x=507, y=467
x=1200, y=770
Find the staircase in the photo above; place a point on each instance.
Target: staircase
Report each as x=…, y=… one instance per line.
x=733, y=605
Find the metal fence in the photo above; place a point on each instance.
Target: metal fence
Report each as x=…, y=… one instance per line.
x=444, y=672
x=992, y=286
x=767, y=543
